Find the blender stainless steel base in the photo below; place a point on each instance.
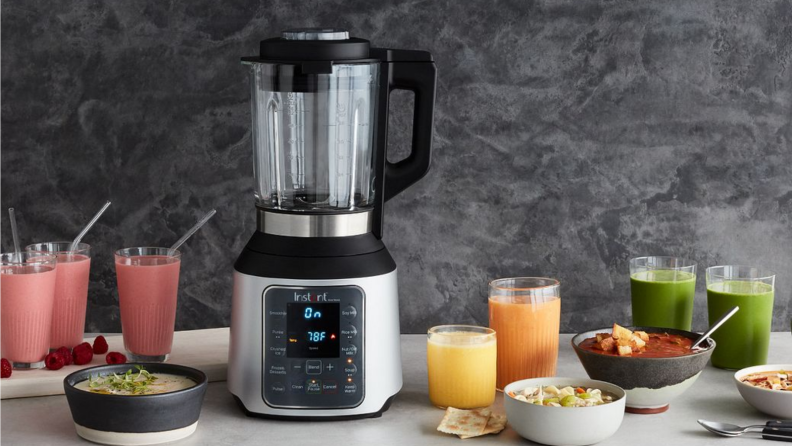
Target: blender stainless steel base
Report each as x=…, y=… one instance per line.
x=256, y=377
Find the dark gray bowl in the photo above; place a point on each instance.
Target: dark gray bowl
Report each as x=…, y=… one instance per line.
x=651, y=383
x=135, y=419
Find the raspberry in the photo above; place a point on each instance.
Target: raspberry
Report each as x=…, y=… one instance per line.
x=115, y=358
x=5, y=368
x=100, y=345
x=66, y=354
x=83, y=353
x=54, y=361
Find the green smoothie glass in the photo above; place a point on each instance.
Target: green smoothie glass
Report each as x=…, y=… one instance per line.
x=744, y=339
x=662, y=290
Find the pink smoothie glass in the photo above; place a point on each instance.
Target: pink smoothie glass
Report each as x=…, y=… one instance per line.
x=71, y=291
x=148, y=283
x=27, y=293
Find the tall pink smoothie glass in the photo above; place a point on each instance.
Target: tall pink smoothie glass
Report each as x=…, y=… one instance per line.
x=148, y=282
x=71, y=291
x=27, y=287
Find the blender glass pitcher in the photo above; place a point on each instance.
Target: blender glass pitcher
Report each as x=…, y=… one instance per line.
x=320, y=123
x=313, y=133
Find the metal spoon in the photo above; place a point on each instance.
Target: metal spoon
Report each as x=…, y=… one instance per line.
x=714, y=327
x=773, y=430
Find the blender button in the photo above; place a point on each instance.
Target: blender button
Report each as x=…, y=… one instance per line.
x=297, y=387
x=297, y=366
x=313, y=367
x=349, y=350
x=350, y=332
x=349, y=312
x=313, y=386
x=277, y=313
x=350, y=369
x=329, y=386
x=277, y=369
x=277, y=388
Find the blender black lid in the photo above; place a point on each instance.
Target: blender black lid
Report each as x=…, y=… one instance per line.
x=314, y=44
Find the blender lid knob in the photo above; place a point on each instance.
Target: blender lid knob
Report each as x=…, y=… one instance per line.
x=316, y=34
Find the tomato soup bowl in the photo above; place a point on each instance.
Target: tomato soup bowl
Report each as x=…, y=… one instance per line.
x=135, y=419
x=650, y=383
x=564, y=426
x=776, y=403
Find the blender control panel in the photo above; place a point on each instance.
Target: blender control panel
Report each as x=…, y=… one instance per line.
x=313, y=347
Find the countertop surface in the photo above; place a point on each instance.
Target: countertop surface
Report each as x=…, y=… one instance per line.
x=411, y=420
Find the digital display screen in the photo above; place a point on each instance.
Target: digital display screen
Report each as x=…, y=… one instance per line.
x=313, y=330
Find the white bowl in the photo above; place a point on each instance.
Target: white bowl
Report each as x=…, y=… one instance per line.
x=772, y=402
x=564, y=426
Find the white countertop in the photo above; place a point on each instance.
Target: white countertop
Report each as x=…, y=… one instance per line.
x=411, y=420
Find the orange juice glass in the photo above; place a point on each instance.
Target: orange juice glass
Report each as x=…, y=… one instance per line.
x=461, y=364
x=526, y=314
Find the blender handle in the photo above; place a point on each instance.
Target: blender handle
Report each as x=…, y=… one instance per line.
x=421, y=79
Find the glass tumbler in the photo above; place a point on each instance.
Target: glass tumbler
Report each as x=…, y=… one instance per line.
x=526, y=314
x=461, y=364
x=662, y=290
x=71, y=291
x=27, y=286
x=744, y=339
x=148, y=284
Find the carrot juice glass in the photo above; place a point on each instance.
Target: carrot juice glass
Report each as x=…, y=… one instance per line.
x=460, y=360
x=525, y=312
x=71, y=291
x=148, y=283
x=27, y=286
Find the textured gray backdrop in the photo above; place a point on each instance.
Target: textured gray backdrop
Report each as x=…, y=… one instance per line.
x=570, y=136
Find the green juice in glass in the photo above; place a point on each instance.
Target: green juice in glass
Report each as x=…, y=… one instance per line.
x=663, y=298
x=744, y=339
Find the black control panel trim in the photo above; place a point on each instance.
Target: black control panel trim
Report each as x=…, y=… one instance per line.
x=349, y=297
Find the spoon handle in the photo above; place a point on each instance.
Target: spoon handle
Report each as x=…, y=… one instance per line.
x=778, y=431
x=714, y=327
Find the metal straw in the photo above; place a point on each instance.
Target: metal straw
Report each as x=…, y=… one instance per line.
x=715, y=326
x=76, y=242
x=192, y=231
x=14, y=235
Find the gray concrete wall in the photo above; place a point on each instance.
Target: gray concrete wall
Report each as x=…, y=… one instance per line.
x=570, y=136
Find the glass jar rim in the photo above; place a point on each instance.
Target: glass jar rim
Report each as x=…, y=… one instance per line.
x=552, y=283
x=683, y=261
x=762, y=273
x=81, y=247
x=446, y=330
x=127, y=252
x=27, y=258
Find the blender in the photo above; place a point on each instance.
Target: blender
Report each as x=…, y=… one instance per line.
x=315, y=314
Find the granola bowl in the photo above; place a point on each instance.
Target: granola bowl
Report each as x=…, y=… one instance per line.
x=134, y=417
x=650, y=383
x=776, y=403
x=564, y=426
